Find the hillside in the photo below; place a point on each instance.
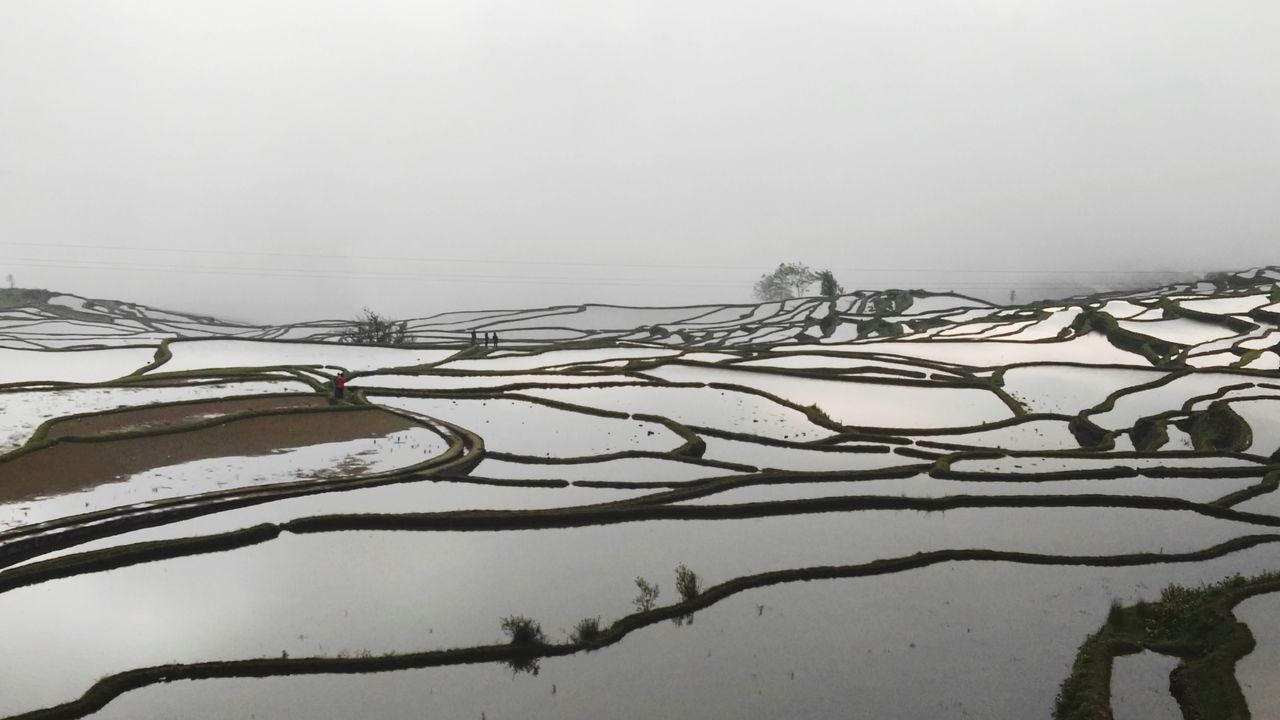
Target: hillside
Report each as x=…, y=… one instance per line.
x=893, y=504
x=43, y=319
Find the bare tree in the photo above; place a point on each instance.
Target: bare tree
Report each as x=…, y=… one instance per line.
x=373, y=329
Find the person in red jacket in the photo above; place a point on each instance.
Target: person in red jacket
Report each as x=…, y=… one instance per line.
x=339, y=385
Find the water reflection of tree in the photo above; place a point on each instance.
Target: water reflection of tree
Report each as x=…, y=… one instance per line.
x=530, y=665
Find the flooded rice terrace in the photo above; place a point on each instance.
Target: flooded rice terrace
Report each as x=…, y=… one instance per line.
x=892, y=504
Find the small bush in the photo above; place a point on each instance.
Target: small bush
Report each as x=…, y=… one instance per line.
x=688, y=584
x=648, y=596
x=586, y=631
x=523, y=630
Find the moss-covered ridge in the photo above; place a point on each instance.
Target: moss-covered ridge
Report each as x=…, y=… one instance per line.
x=1194, y=624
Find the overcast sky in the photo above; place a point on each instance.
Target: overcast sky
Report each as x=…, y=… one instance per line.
x=294, y=159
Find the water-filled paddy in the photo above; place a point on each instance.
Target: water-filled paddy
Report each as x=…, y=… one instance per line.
x=850, y=401
x=82, y=366
x=529, y=428
x=624, y=470
x=1070, y=388
x=725, y=410
x=400, y=591
x=799, y=459
x=207, y=354
x=1140, y=687
x=1019, y=464
x=555, y=358
x=1091, y=348
x=1179, y=330
x=1263, y=417
x=24, y=411
x=988, y=632
x=1130, y=407
x=413, y=497
x=828, y=362
x=1028, y=435
x=1256, y=672
x=1194, y=489
x=943, y=645
x=1225, y=305
x=465, y=382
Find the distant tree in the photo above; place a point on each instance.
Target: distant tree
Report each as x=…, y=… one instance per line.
x=373, y=329
x=828, y=287
x=788, y=280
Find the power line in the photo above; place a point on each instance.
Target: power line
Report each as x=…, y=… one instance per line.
x=377, y=258
x=351, y=275
x=573, y=263
x=321, y=274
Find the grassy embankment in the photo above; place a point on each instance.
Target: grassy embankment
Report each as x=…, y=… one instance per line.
x=1194, y=624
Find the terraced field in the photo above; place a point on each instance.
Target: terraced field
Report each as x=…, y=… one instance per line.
x=891, y=504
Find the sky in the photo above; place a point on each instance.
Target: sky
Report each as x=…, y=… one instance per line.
x=282, y=160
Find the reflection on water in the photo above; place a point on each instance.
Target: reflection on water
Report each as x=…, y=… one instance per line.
x=933, y=643
x=1140, y=687
x=404, y=591
x=1256, y=672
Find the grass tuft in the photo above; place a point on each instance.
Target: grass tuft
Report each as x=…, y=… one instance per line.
x=1115, y=615
x=586, y=631
x=523, y=630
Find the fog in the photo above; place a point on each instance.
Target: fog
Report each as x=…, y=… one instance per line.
x=285, y=160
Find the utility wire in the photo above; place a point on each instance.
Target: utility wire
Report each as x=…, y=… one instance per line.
x=343, y=274
x=571, y=263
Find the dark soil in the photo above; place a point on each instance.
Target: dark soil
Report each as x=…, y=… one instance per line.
x=167, y=416
x=73, y=465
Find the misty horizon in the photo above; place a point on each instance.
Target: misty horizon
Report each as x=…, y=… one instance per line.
x=299, y=160
x=1020, y=292
x=384, y=359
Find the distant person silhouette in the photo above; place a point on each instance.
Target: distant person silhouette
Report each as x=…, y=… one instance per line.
x=340, y=385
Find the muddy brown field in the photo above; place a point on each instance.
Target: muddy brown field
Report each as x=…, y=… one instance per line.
x=71, y=465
